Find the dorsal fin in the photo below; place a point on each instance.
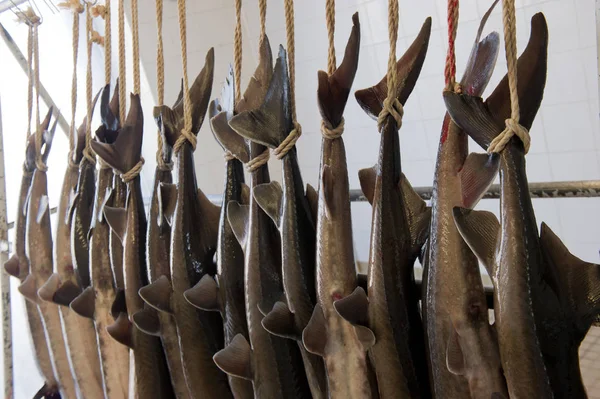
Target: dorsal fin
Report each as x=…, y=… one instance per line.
x=48, y=289
x=417, y=212
x=270, y=124
x=333, y=90
x=167, y=202
x=236, y=358
x=269, y=197
x=171, y=121
x=354, y=308
x=480, y=230
x=408, y=69
x=314, y=336
x=85, y=304
x=126, y=151
x=158, y=294
x=117, y=220
x=238, y=215
x=367, y=178
x=28, y=289
x=476, y=176
x=147, y=321
x=121, y=330
x=205, y=294
x=66, y=293
x=280, y=321
x=259, y=82
x=210, y=212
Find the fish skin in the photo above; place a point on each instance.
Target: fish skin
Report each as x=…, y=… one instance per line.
x=396, y=240
x=269, y=125
x=514, y=260
x=195, y=220
x=151, y=377
x=454, y=292
x=119, y=196
x=18, y=266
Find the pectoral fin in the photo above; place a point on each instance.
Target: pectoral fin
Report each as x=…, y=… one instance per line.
x=43, y=208
x=455, y=360
x=280, y=321
x=480, y=230
x=354, y=308
x=147, y=321
x=117, y=220
x=314, y=335
x=85, y=304
x=205, y=294
x=236, y=358
x=477, y=174
x=158, y=294
x=367, y=179
x=365, y=336
x=269, y=198
x=122, y=330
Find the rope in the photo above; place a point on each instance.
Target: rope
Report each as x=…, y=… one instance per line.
x=97, y=38
x=100, y=11
x=186, y=132
x=88, y=153
x=330, y=132
x=258, y=161
x=296, y=132
x=450, y=67
x=136, y=46
x=39, y=134
x=160, y=78
x=133, y=172
x=262, y=8
x=122, y=68
x=107, y=43
x=512, y=124
x=228, y=156
x=391, y=105
x=237, y=50
x=30, y=79
x=330, y=17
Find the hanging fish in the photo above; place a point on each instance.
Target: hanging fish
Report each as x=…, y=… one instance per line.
x=290, y=211
x=194, y=223
x=18, y=266
x=158, y=241
x=39, y=252
x=512, y=253
x=101, y=302
x=327, y=334
x=63, y=286
x=151, y=376
x=399, y=230
x=225, y=292
x=463, y=350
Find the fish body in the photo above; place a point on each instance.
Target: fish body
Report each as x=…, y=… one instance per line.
x=119, y=196
x=512, y=251
x=454, y=293
x=151, y=377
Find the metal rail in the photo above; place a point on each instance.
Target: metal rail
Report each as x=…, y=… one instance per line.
x=8, y=4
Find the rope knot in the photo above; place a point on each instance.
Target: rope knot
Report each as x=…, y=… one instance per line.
x=97, y=38
x=40, y=165
x=28, y=17
x=290, y=141
x=512, y=128
x=391, y=107
x=133, y=172
x=98, y=11
x=74, y=5
x=186, y=135
x=228, y=156
x=258, y=161
x=330, y=132
x=163, y=165
x=89, y=155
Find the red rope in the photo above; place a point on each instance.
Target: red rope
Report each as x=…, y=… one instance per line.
x=450, y=68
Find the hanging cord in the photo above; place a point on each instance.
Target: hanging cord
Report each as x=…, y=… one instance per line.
x=296, y=132
x=107, y=43
x=262, y=8
x=512, y=124
x=122, y=67
x=136, y=46
x=30, y=79
x=391, y=105
x=160, y=78
x=237, y=52
x=450, y=67
x=186, y=132
x=88, y=153
x=39, y=134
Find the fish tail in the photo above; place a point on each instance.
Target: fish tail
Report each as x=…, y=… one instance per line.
x=483, y=121
x=408, y=69
x=47, y=392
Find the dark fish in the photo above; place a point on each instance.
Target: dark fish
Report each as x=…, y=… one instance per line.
x=269, y=125
x=327, y=334
x=512, y=252
x=151, y=376
x=399, y=229
x=194, y=229
x=463, y=351
x=63, y=286
x=225, y=292
x=39, y=252
x=158, y=241
x=18, y=266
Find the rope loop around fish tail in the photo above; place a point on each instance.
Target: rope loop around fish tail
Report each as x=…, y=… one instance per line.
x=289, y=142
x=186, y=135
x=133, y=172
x=228, y=156
x=258, y=161
x=450, y=67
x=330, y=132
x=513, y=127
x=393, y=108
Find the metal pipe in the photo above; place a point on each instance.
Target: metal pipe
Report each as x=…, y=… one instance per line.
x=16, y=52
x=8, y=4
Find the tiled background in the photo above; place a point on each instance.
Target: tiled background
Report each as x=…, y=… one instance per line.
x=565, y=135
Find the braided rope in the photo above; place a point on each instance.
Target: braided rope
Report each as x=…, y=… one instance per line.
x=160, y=80
x=450, y=67
x=262, y=9
x=289, y=142
x=97, y=38
x=30, y=79
x=330, y=17
x=237, y=50
x=99, y=11
x=122, y=66
x=107, y=43
x=512, y=124
x=133, y=172
x=135, y=33
x=330, y=132
x=258, y=161
x=88, y=153
x=39, y=134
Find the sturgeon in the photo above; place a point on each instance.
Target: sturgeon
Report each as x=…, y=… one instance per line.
x=194, y=224
x=151, y=377
x=289, y=209
x=39, y=252
x=18, y=266
x=511, y=252
x=64, y=285
x=225, y=292
x=463, y=351
x=158, y=242
x=398, y=231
